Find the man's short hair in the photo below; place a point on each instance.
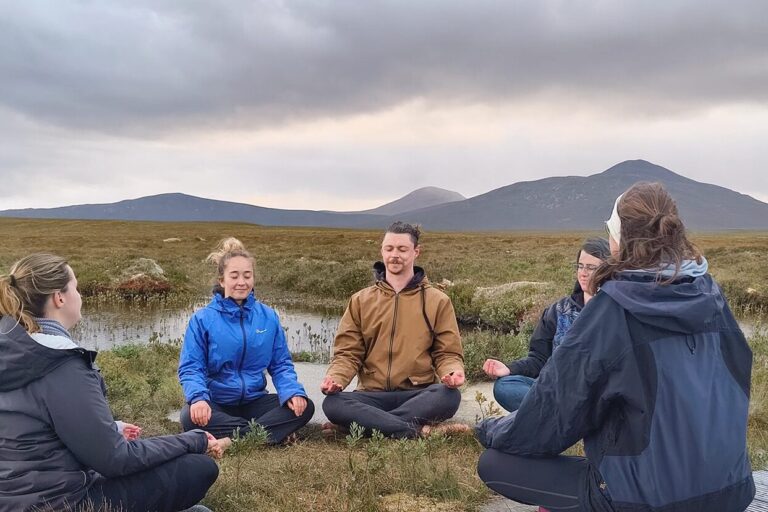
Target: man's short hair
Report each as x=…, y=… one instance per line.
x=400, y=227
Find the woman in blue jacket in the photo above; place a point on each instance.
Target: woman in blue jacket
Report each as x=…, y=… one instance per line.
x=654, y=376
x=228, y=346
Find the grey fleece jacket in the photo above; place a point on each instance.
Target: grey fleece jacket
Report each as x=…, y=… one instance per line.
x=57, y=433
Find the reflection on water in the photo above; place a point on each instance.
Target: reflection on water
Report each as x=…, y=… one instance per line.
x=104, y=327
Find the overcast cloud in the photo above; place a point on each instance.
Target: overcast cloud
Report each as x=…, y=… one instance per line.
x=347, y=104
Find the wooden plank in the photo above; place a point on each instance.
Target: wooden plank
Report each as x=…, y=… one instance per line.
x=760, y=503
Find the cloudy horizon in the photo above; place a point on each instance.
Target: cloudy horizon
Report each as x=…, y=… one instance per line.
x=348, y=105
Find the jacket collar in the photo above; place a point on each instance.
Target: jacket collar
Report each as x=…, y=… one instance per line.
x=228, y=305
x=25, y=358
x=577, y=295
x=380, y=274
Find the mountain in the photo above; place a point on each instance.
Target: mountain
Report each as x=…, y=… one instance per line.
x=558, y=203
x=576, y=202
x=419, y=198
x=182, y=207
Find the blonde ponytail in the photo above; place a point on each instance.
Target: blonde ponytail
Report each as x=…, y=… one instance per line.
x=25, y=290
x=227, y=249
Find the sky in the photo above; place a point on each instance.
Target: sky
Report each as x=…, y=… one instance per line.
x=349, y=104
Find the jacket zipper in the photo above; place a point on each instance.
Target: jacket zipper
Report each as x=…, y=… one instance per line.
x=242, y=359
x=391, y=343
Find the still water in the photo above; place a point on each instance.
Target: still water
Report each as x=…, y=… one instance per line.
x=106, y=326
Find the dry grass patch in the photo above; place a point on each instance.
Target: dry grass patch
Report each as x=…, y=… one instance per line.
x=355, y=474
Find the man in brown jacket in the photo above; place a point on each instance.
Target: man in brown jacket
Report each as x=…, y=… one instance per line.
x=401, y=339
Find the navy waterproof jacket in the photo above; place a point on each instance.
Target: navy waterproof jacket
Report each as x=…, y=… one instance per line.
x=655, y=379
x=228, y=347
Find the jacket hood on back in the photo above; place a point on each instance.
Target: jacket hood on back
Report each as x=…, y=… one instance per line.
x=686, y=305
x=22, y=359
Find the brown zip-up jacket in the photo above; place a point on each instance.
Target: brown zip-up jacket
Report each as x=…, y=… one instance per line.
x=397, y=341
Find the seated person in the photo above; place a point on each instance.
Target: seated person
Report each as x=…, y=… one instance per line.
x=60, y=448
x=654, y=377
x=228, y=346
x=515, y=379
x=401, y=339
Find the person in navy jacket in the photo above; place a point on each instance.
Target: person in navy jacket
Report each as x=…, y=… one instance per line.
x=228, y=347
x=654, y=376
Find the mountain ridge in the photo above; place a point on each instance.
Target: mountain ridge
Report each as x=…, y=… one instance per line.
x=552, y=203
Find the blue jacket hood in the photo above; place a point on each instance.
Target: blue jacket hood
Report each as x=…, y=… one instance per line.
x=684, y=306
x=227, y=305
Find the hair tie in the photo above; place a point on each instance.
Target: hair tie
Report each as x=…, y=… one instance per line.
x=13, y=281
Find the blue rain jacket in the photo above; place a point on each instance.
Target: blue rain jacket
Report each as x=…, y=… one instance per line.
x=228, y=347
x=656, y=380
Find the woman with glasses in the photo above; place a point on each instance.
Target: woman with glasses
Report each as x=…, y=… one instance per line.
x=515, y=379
x=654, y=377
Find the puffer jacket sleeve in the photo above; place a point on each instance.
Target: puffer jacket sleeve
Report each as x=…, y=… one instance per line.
x=574, y=391
x=281, y=367
x=82, y=420
x=348, y=346
x=447, y=353
x=193, y=363
x=540, y=346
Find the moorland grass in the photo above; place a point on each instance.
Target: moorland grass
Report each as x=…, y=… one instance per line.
x=353, y=474
x=499, y=283
x=323, y=267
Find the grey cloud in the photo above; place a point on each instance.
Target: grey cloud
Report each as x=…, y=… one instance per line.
x=144, y=68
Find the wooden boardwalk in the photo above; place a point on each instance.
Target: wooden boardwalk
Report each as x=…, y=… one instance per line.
x=760, y=504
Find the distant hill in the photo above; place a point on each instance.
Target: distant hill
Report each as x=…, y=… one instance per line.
x=182, y=207
x=419, y=198
x=559, y=203
x=575, y=202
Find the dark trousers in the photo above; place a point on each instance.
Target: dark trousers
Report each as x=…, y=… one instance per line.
x=393, y=413
x=279, y=422
x=176, y=485
x=555, y=483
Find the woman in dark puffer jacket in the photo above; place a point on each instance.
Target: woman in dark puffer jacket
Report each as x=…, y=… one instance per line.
x=60, y=447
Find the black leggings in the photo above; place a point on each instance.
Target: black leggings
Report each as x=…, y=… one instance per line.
x=394, y=413
x=555, y=483
x=175, y=485
x=278, y=421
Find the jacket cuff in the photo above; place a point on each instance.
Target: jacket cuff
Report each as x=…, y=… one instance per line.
x=450, y=368
x=199, y=397
x=283, y=398
x=340, y=379
x=198, y=440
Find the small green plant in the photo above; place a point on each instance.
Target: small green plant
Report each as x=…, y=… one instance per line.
x=356, y=434
x=244, y=446
x=488, y=408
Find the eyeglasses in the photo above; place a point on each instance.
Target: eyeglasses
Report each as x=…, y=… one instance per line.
x=580, y=267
